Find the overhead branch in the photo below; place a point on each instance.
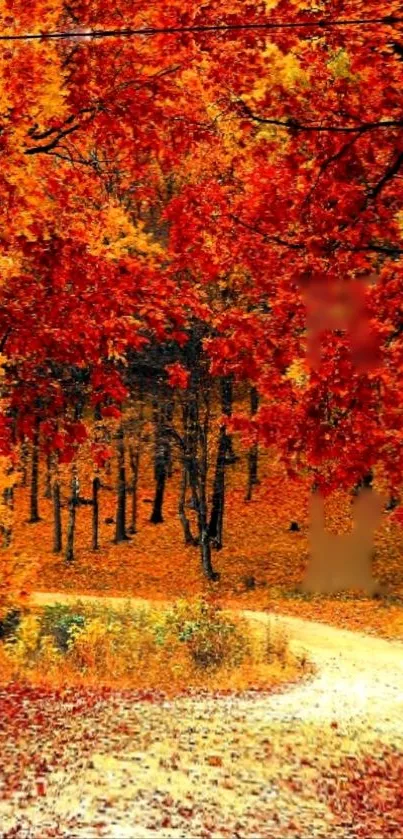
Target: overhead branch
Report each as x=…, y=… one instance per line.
x=293, y=124
x=320, y=23
x=53, y=143
x=275, y=240
x=330, y=247
x=387, y=176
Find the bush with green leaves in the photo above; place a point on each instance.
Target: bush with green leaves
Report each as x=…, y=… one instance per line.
x=190, y=638
x=213, y=641
x=59, y=622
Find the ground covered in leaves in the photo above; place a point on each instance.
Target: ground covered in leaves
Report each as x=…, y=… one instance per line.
x=261, y=563
x=322, y=759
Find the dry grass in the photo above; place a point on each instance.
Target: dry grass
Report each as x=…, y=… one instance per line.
x=149, y=650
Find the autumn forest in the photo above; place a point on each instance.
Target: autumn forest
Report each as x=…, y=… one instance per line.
x=201, y=425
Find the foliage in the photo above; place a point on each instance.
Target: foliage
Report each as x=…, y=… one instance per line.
x=186, y=643
x=212, y=640
x=369, y=794
x=59, y=623
x=9, y=623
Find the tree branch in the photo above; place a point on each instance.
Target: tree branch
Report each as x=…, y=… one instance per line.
x=390, y=172
x=295, y=125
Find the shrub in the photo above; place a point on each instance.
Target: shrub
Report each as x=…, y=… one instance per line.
x=189, y=643
x=59, y=622
x=213, y=641
x=9, y=624
x=24, y=647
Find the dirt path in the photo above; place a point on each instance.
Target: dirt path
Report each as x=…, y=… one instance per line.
x=228, y=767
x=359, y=680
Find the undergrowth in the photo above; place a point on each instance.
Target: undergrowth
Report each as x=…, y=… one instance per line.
x=192, y=643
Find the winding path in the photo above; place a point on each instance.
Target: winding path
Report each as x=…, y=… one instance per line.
x=234, y=767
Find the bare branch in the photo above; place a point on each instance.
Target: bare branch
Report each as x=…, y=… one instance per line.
x=295, y=125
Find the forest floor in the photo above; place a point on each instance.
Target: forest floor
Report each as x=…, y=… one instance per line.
x=291, y=764
x=261, y=563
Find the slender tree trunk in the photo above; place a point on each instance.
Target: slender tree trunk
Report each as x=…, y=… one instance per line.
x=160, y=479
x=253, y=453
x=215, y=528
x=197, y=470
x=24, y=463
x=225, y=455
x=71, y=524
x=96, y=483
x=120, y=531
x=227, y=398
x=34, y=505
x=168, y=417
x=48, y=477
x=205, y=544
x=187, y=533
x=8, y=503
x=57, y=518
x=134, y=455
x=160, y=465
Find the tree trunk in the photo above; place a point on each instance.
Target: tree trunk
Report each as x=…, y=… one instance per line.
x=198, y=470
x=8, y=504
x=96, y=483
x=215, y=528
x=168, y=417
x=187, y=533
x=48, y=477
x=71, y=524
x=134, y=455
x=160, y=479
x=120, y=531
x=57, y=518
x=24, y=463
x=253, y=453
x=225, y=455
x=227, y=399
x=160, y=465
x=34, y=506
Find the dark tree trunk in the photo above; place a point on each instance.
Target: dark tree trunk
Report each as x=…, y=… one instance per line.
x=24, y=463
x=34, y=503
x=120, y=531
x=169, y=415
x=225, y=455
x=227, y=398
x=253, y=454
x=160, y=479
x=160, y=463
x=71, y=524
x=134, y=455
x=48, y=476
x=96, y=483
x=197, y=471
x=215, y=528
x=205, y=544
x=8, y=501
x=57, y=518
x=187, y=533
